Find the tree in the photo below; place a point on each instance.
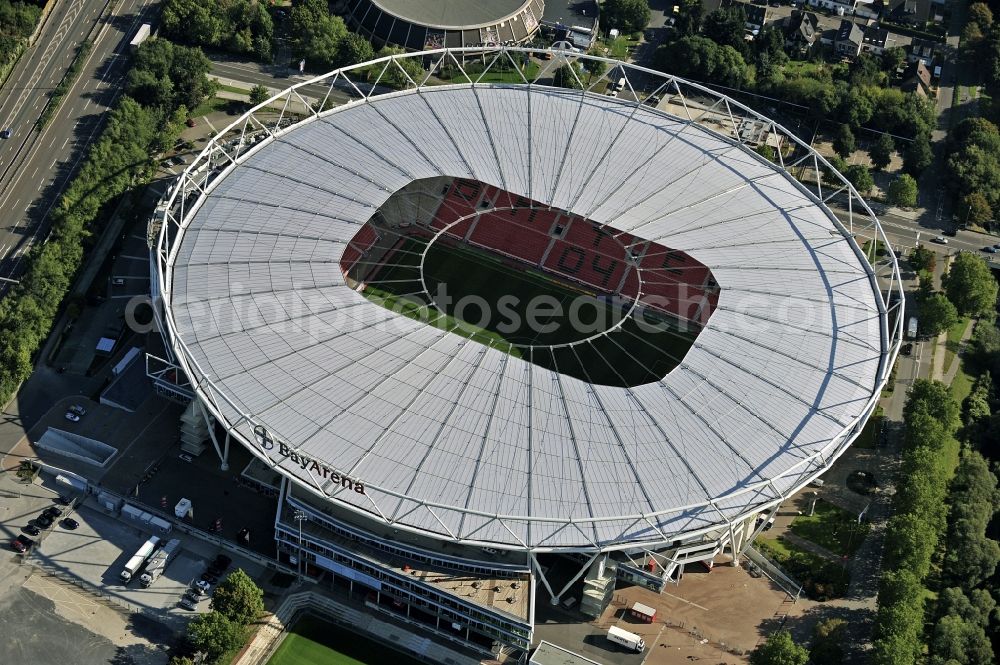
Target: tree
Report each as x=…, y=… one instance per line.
x=779, y=649
x=214, y=634
x=726, y=27
x=843, y=141
x=595, y=68
x=393, y=76
x=258, y=95
x=970, y=285
x=933, y=399
x=353, y=48
x=980, y=14
x=318, y=34
x=565, y=77
x=903, y=191
x=702, y=59
x=922, y=258
x=238, y=598
x=881, y=151
x=828, y=639
x=937, y=315
x=627, y=15
x=859, y=176
x=975, y=209
x=689, y=17
x=918, y=155
x=893, y=58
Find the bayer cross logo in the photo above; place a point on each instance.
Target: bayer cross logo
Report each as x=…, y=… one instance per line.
x=263, y=437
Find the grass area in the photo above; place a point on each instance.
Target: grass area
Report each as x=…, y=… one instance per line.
x=954, y=339
x=210, y=105
x=618, y=49
x=831, y=527
x=495, y=303
x=821, y=579
x=312, y=641
x=961, y=385
x=232, y=88
x=500, y=75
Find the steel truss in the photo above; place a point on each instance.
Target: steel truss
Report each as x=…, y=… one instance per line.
x=680, y=100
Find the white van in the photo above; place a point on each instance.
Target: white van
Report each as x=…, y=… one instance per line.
x=620, y=85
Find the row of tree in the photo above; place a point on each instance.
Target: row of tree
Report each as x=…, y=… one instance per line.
x=117, y=161
x=236, y=603
x=931, y=418
x=239, y=26
x=972, y=170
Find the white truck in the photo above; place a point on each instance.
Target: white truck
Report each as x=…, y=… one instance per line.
x=139, y=559
x=159, y=562
x=911, y=328
x=626, y=639
x=140, y=36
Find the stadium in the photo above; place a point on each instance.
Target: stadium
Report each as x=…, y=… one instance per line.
x=431, y=24
x=690, y=334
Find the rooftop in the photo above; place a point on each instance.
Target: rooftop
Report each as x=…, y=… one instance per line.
x=452, y=13
x=397, y=420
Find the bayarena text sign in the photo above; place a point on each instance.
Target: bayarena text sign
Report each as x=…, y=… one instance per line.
x=267, y=442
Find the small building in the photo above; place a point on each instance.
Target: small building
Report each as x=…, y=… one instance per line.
x=848, y=40
x=756, y=17
x=875, y=39
x=846, y=7
x=916, y=79
x=801, y=30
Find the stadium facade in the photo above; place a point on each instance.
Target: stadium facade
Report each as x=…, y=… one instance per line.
x=432, y=24
x=452, y=478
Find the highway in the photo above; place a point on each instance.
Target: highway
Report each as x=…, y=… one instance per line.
x=35, y=166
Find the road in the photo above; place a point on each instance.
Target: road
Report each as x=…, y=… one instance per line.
x=35, y=166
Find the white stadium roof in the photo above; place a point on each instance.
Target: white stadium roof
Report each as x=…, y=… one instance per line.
x=462, y=441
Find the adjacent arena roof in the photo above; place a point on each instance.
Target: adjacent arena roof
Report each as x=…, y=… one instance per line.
x=420, y=24
x=465, y=442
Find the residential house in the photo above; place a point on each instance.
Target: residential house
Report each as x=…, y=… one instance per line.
x=848, y=40
x=916, y=78
x=922, y=50
x=875, y=38
x=912, y=12
x=756, y=17
x=847, y=7
x=801, y=30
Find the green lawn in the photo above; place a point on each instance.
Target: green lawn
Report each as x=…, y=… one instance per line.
x=312, y=641
x=831, y=527
x=633, y=354
x=954, y=339
x=961, y=385
x=501, y=74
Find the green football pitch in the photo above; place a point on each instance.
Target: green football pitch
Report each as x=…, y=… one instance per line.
x=312, y=641
x=478, y=295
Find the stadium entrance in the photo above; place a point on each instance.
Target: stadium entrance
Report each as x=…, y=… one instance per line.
x=556, y=289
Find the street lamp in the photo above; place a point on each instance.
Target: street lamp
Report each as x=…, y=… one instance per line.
x=299, y=517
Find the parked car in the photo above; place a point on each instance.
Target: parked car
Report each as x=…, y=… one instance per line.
x=907, y=349
x=43, y=521
x=185, y=457
x=990, y=249
x=221, y=563
x=202, y=587
x=31, y=530
x=118, y=281
x=69, y=523
x=188, y=604
x=78, y=410
x=22, y=543
x=52, y=511
x=72, y=417
x=209, y=577
x=64, y=500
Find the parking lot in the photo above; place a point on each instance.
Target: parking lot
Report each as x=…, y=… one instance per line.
x=94, y=555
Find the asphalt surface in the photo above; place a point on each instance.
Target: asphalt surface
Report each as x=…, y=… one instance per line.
x=35, y=166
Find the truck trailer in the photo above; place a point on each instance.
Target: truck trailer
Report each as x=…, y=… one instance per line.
x=139, y=559
x=159, y=562
x=626, y=639
x=140, y=36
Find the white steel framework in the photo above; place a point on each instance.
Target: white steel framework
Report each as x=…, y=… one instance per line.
x=726, y=402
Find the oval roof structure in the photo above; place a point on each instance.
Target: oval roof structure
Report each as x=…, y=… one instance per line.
x=405, y=422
